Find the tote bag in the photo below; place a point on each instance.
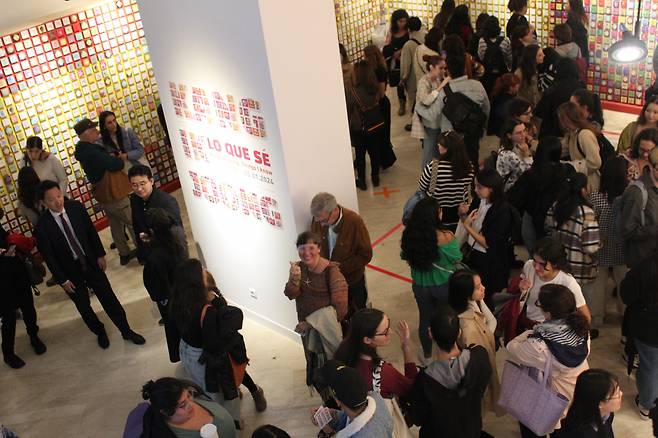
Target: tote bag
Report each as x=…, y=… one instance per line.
x=419, y=195
x=400, y=428
x=529, y=398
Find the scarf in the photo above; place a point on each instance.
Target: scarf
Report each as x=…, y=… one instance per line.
x=567, y=346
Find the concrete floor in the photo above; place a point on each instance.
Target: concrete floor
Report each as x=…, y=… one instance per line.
x=78, y=390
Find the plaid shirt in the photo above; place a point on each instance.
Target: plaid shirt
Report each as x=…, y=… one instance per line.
x=580, y=237
x=611, y=252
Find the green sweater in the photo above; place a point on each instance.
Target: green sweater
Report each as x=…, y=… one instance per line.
x=443, y=266
x=95, y=160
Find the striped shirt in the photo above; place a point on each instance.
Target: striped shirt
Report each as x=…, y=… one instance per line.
x=580, y=237
x=449, y=192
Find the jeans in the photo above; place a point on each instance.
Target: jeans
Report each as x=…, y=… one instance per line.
x=197, y=372
x=120, y=218
x=647, y=374
x=595, y=300
x=601, y=283
x=429, y=146
x=427, y=298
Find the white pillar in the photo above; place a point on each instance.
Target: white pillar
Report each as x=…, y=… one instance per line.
x=248, y=190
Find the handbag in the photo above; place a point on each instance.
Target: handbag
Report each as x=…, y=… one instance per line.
x=419, y=195
x=239, y=369
x=529, y=398
x=372, y=118
x=112, y=187
x=400, y=427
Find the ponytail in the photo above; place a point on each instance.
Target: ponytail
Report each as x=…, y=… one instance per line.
x=561, y=303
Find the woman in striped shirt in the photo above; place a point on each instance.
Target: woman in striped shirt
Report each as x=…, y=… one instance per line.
x=454, y=177
x=573, y=222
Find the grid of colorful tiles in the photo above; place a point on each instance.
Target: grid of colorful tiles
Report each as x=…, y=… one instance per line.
x=57, y=72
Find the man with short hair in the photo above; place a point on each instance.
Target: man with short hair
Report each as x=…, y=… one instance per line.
x=110, y=184
x=361, y=414
x=446, y=399
x=639, y=206
x=345, y=239
x=73, y=251
x=145, y=195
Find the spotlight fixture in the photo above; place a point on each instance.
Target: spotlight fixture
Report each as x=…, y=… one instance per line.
x=630, y=49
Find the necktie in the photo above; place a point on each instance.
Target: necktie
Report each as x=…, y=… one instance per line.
x=72, y=240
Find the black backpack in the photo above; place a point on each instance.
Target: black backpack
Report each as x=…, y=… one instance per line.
x=606, y=150
x=465, y=115
x=494, y=61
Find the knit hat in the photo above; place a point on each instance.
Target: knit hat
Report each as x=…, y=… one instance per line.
x=346, y=384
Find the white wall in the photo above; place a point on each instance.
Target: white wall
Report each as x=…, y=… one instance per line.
x=283, y=54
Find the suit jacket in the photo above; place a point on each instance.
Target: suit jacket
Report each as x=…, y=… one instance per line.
x=55, y=249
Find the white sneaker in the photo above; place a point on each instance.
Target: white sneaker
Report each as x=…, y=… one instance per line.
x=644, y=413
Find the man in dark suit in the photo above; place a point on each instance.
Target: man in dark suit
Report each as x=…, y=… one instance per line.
x=74, y=253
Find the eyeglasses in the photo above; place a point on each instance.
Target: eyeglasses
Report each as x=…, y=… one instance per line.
x=385, y=332
x=537, y=303
x=139, y=185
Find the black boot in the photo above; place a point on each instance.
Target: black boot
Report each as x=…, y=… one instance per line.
x=361, y=184
x=375, y=180
x=37, y=345
x=14, y=361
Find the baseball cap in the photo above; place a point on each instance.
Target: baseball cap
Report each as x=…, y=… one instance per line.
x=83, y=125
x=346, y=383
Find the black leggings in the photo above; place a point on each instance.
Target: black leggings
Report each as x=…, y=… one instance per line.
x=249, y=383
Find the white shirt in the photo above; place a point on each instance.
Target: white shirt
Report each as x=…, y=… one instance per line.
x=58, y=221
x=332, y=236
x=562, y=278
x=477, y=224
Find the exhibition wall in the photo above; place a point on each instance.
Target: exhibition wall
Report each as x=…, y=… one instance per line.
x=254, y=131
x=64, y=69
x=356, y=20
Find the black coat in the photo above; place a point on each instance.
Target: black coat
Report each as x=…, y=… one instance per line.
x=55, y=249
x=446, y=413
x=587, y=430
x=546, y=110
x=639, y=291
x=159, y=269
x=15, y=279
x=221, y=338
x=579, y=33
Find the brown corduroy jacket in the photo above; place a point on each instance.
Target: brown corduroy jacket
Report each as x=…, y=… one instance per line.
x=353, y=250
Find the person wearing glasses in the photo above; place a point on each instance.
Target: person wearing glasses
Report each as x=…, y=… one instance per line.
x=144, y=196
x=638, y=155
x=563, y=339
x=598, y=395
x=179, y=409
x=548, y=266
x=370, y=329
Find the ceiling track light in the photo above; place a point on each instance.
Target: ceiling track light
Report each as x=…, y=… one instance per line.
x=630, y=49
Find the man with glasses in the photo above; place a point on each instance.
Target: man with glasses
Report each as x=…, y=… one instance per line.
x=639, y=226
x=145, y=195
x=345, y=239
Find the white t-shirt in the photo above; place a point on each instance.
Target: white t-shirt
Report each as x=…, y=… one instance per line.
x=562, y=278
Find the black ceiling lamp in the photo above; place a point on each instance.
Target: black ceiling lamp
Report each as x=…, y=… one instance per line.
x=630, y=49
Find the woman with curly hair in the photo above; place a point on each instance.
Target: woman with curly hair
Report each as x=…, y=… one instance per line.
x=506, y=88
x=432, y=252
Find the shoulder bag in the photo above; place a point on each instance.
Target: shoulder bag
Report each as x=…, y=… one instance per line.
x=421, y=194
x=238, y=369
x=372, y=119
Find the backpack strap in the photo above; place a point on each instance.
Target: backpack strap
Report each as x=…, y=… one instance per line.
x=358, y=100
x=447, y=89
x=499, y=41
x=645, y=198
x=578, y=145
x=377, y=378
x=434, y=172
x=414, y=40
x=203, y=313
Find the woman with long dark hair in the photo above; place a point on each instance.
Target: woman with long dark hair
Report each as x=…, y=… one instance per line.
x=432, y=252
x=163, y=258
x=506, y=88
x=563, y=338
x=514, y=156
x=121, y=141
x=531, y=57
x=443, y=17
x=579, y=142
x=396, y=38
x=180, y=408
x=518, y=8
x=45, y=164
x=578, y=22
x=488, y=222
x=454, y=177
x=566, y=82
x=572, y=222
x=477, y=325
x=537, y=189
x=364, y=94
x=614, y=180
x=564, y=45
x=521, y=37
x=460, y=24
x=638, y=155
x=370, y=329
x=590, y=106
x=29, y=205
x=648, y=118
x=209, y=334
x=596, y=398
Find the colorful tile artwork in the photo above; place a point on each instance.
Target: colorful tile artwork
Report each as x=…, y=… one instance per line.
x=55, y=73
x=357, y=18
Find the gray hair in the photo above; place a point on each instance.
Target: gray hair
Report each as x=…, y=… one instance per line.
x=323, y=203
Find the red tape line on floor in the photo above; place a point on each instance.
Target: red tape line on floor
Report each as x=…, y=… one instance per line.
x=386, y=235
x=389, y=273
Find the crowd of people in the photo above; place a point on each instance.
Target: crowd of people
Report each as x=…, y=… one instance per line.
x=586, y=213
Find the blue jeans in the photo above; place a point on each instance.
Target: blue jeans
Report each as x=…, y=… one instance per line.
x=429, y=145
x=647, y=374
x=189, y=357
x=427, y=298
